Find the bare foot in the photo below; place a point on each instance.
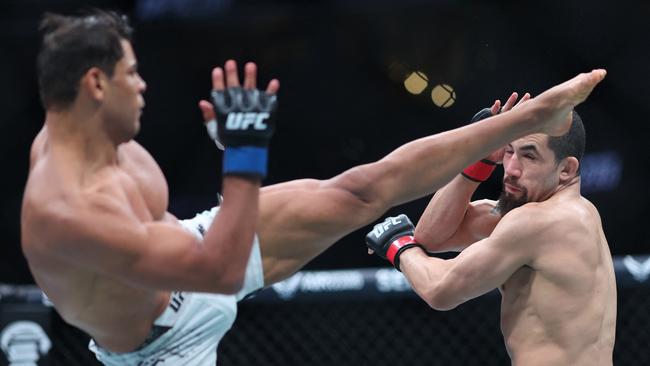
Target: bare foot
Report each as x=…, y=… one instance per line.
x=557, y=103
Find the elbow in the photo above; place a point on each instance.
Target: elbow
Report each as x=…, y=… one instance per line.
x=229, y=280
x=439, y=298
x=228, y=267
x=427, y=240
x=422, y=236
x=229, y=286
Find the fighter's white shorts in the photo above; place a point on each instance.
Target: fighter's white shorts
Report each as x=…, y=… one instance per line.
x=188, y=332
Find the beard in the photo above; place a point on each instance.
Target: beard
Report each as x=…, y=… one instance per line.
x=508, y=201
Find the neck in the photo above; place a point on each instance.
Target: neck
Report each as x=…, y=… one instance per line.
x=81, y=132
x=570, y=186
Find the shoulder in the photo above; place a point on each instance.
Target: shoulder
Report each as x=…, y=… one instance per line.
x=486, y=203
x=544, y=222
x=484, y=216
x=38, y=145
x=527, y=223
x=484, y=206
x=136, y=152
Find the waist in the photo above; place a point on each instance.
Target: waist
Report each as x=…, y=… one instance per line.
x=125, y=325
x=167, y=317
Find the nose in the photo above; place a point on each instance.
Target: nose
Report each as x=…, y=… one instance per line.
x=512, y=167
x=142, y=84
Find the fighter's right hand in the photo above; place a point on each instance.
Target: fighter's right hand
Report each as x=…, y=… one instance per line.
x=245, y=118
x=389, y=239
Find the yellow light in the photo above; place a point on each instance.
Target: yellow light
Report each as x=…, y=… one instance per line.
x=443, y=95
x=416, y=82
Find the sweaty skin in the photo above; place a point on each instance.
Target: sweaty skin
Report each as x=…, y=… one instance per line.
x=550, y=260
x=102, y=246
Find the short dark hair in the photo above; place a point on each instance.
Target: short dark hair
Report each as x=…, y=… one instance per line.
x=74, y=44
x=571, y=143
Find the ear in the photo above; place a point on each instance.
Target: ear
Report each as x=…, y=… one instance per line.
x=94, y=83
x=569, y=168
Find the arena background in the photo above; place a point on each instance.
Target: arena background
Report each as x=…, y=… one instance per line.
x=343, y=66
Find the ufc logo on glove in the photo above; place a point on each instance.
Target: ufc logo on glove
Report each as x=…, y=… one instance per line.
x=241, y=121
x=381, y=228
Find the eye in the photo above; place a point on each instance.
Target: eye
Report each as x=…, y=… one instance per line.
x=530, y=156
x=508, y=152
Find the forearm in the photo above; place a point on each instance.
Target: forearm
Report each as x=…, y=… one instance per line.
x=445, y=213
x=230, y=237
x=427, y=276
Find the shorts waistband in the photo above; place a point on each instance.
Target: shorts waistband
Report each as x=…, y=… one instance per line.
x=177, y=302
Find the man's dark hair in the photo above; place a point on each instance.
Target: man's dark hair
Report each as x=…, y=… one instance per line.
x=74, y=44
x=571, y=143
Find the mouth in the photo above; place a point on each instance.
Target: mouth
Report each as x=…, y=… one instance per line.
x=511, y=189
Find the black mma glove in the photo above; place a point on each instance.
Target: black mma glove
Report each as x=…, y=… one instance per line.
x=246, y=122
x=482, y=114
x=392, y=237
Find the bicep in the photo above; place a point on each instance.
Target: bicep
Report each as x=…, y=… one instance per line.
x=478, y=223
x=157, y=255
x=488, y=263
x=169, y=257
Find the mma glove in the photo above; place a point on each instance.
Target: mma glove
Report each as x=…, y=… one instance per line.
x=482, y=169
x=246, y=122
x=389, y=239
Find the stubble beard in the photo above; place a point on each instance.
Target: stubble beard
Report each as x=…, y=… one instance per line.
x=507, y=201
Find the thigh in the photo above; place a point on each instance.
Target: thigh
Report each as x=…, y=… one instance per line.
x=302, y=218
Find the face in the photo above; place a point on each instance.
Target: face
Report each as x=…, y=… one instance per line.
x=123, y=99
x=531, y=173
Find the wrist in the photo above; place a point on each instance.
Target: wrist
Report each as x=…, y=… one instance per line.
x=399, y=246
x=479, y=171
x=212, y=128
x=245, y=161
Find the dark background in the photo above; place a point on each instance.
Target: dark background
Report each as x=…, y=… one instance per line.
x=342, y=65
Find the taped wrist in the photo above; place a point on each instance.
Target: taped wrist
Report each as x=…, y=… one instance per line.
x=213, y=129
x=479, y=171
x=398, y=246
x=245, y=160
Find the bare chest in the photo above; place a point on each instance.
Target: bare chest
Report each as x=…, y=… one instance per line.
x=144, y=184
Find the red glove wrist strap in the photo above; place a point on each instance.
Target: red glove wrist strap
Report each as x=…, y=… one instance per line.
x=397, y=245
x=479, y=171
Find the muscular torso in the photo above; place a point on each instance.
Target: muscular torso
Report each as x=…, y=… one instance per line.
x=116, y=314
x=561, y=310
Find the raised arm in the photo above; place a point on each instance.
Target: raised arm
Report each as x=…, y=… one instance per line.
x=450, y=222
x=482, y=267
x=103, y=233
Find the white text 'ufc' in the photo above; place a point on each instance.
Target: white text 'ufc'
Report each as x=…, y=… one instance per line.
x=380, y=228
x=241, y=121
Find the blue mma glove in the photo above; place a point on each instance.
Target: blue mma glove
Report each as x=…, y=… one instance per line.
x=246, y=122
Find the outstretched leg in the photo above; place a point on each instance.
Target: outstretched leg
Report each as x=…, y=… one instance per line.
x=300, y=219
